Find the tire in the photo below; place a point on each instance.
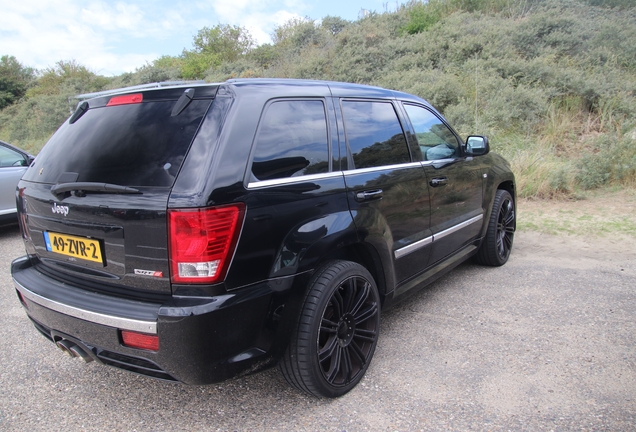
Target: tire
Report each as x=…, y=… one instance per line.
x=337, y=331
x=496, y=246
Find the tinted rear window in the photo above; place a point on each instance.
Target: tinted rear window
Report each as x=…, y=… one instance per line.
x=292, y=141
x=129, y=145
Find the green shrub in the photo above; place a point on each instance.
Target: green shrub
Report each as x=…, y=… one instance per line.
x=551, y=82
x=423, y=15
x=15, y=79
x=31, y=123
x=612, y=162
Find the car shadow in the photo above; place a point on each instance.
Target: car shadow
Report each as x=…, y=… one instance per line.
x=9, y=230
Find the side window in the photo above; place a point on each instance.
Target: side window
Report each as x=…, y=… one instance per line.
x=9, y=157
x=374, y=134
x=434, y=138
x=292, y=140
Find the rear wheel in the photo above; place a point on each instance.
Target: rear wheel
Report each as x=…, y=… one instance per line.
x=337, y=332
x=496, y=246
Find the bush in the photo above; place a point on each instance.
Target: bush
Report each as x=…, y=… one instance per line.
x=15, y=79
x=31, y=123
x=613, y=162
x=552, y=82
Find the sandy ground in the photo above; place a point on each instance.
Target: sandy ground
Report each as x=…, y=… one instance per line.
x=592, y=232
x=607, y=217
x=546, y=342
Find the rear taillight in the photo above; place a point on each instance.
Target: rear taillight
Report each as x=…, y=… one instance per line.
x=24, y=303
x=140, y=340
x=22, y=214
x=202, y=242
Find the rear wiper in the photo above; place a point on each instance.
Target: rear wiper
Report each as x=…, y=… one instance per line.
x=82, y=187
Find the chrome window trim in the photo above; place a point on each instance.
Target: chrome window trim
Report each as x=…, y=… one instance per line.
x=290, y=180
x=457, y=227
x=399, y=253
x=382, y=168
x=94, y=317
x=437, y=161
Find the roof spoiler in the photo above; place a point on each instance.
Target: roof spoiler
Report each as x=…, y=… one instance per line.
x=85, y=96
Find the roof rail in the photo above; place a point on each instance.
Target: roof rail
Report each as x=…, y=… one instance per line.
x=135, y=87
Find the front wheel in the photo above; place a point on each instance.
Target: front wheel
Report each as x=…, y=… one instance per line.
x=333, y=343
x=496, y=246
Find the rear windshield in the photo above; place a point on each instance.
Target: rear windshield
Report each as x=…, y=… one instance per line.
x=129, y=145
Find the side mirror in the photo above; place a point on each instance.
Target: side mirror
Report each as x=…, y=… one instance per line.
x=477, y=145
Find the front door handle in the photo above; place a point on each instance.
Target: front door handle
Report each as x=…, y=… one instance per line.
x=439, y=181
x=369, y=195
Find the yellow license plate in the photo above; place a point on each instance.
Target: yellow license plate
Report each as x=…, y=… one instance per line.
x=77, y=247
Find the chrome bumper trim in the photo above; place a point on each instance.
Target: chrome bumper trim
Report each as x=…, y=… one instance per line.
x=94, y=317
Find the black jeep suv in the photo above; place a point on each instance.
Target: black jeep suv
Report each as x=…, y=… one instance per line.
x=200, y=232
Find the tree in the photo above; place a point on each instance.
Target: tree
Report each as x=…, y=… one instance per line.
x=213, y=46
x=297, y=32
x=67, y=77
x=225, y=41
x=334, y=24
x=14, y=80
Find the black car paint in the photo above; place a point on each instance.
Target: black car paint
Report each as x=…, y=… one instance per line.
x=212, y=332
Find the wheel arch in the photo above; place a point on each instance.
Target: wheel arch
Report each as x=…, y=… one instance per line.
x=367, y=257
x=506, y=183
x=509, y=186
x=357, y=252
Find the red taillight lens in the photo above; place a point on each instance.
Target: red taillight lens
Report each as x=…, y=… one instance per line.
x=22, y=215
x=21, y=299
x=126, y=99
x=202, y=242
x=140, y=340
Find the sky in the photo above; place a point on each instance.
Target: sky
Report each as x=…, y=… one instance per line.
x=113, y=37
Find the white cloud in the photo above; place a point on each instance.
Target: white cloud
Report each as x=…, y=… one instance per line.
x=40, y=33
x=256, y=15
x=111, y=37
x=106, y=62
x=261, y=26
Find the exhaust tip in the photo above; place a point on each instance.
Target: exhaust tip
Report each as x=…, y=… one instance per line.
x=78, y=352
x=66, y=346
x=73, y=350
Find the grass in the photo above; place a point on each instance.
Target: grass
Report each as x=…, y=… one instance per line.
x=610, y=213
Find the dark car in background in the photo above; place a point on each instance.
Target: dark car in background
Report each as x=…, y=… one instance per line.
x=201, y=232
x=13, y=164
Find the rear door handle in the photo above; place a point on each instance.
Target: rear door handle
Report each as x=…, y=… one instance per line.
x=369, y=195
x=439, y=181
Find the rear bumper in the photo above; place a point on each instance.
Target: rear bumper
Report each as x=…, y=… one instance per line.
x=201, y=339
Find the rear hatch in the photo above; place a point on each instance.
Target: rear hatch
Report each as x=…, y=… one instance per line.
x=93, y=205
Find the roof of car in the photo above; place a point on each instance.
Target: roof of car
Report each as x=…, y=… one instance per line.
x=319, y=87
x=338, y=89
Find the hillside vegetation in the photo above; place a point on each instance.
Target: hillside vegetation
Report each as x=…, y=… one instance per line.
x=551, y=82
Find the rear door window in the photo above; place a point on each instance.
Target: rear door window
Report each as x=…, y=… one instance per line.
x=131, y=145
x=292, y=140
x=374, y=134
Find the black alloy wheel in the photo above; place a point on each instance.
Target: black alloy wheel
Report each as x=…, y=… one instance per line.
x=337, y=333
x=497, y=245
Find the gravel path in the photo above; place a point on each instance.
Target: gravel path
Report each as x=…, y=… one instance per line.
x=546, y=342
